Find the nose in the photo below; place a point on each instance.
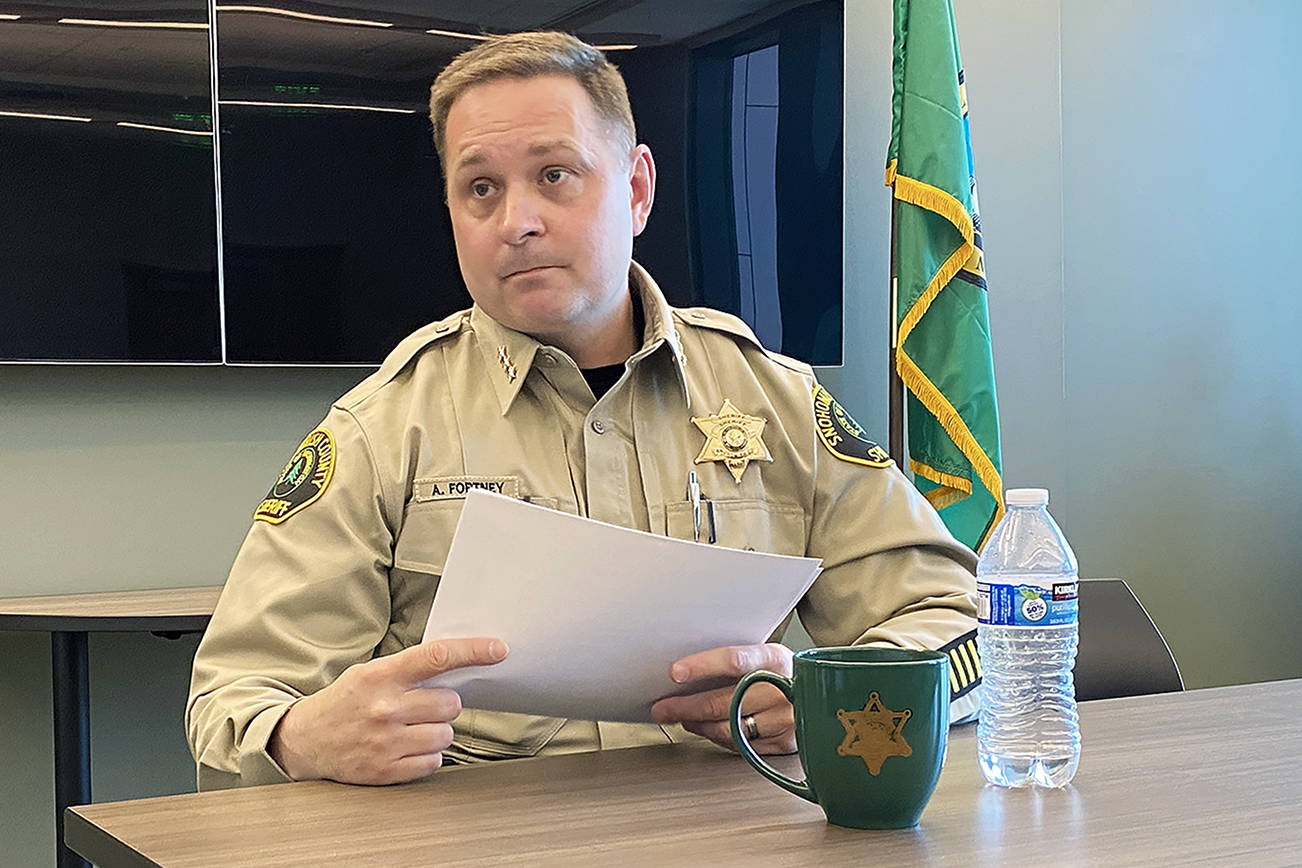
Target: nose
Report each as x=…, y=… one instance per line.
x=521, y=216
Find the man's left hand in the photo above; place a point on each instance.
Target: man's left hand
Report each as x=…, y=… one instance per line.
x=706, y=713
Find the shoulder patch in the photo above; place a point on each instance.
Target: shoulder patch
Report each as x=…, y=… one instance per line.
x=842, y=435
x=303, y=480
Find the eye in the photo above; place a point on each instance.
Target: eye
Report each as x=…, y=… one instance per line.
x=555, y=175
x=480, y=189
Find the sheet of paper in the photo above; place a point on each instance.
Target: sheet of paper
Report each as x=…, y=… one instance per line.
x=595, y=614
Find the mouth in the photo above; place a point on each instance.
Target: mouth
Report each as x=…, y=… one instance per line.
x=525, y=272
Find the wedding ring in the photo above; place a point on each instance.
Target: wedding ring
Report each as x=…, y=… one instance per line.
x=752, y=731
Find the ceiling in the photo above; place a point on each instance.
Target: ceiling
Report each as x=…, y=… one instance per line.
x=139, y=73
x=36, y=49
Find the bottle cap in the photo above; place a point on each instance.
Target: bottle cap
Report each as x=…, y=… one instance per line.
x=1027, y=497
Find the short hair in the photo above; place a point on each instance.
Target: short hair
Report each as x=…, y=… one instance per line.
x=529, y=55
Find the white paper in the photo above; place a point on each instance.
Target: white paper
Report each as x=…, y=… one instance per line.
x=595, y=614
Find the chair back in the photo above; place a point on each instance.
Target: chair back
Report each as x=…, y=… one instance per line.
x=1121, y=651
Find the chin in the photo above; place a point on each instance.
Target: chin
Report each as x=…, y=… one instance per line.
x=542, y=312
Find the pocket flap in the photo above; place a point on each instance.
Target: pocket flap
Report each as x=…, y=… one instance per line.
x=426, y=536
x=499, y=734
x=750, y=525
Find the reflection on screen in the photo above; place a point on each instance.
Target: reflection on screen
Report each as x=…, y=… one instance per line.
x=334, y=239
x=108, y=240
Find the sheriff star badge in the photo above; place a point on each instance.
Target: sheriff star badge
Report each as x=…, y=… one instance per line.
x=733, y=438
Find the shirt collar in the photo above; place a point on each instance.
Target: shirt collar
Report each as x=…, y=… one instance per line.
x=509, y=355
x=659, y=327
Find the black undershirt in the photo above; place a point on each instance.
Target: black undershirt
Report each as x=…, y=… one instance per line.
x=601, y=379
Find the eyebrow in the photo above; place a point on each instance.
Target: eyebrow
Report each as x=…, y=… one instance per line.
x=543, y=148
x=478, y=157
x=474, y=158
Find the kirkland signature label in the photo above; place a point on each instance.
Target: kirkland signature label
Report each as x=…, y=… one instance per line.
x=1026, y=605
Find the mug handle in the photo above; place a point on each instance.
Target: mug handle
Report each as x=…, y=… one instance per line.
x=783, y=683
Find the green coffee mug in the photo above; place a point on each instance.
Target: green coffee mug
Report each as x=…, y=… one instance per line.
x=871, y=728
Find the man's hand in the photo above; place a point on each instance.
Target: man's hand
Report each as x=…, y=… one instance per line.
x=375, y=724
x=707, y=713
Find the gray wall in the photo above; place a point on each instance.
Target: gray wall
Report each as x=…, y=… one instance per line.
x=1181, y=190
x=1136, y=199
x=122, y=477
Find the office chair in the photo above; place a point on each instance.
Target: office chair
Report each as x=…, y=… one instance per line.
x=1121, y=652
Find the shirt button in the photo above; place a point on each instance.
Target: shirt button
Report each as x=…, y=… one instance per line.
x=547, y=359
x=598, y=426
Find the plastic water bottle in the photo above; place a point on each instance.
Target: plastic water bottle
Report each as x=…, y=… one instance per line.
x=1028, y=732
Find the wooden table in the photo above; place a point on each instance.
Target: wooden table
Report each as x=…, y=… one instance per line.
x=1207, y=776
x=68, y=618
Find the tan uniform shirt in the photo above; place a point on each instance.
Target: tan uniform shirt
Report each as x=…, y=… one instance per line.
x=345, y=558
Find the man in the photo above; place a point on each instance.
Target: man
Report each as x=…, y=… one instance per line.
x=571, y=384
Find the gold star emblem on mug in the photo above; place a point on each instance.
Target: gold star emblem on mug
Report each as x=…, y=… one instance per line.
x=873, y=733
x=733, y=438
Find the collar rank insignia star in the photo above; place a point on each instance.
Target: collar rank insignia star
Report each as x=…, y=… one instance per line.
x=507, y=367
x=873, y=733
x=733, y=438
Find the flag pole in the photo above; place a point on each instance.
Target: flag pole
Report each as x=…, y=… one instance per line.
x=895, y=384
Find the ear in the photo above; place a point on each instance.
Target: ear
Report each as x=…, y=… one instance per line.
x=642, y=186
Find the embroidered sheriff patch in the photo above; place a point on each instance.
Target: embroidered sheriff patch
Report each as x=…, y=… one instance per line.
x=302, y=481
x=733, y=438
x=842, y=435
x=874, y=733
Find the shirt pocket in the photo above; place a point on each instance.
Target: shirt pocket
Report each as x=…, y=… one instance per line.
x=750, y=525
x=426, y=536
x=481, y=734
x=418, y=561
x=427, y=529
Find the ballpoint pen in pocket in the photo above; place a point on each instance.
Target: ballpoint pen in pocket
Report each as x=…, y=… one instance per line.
x=695, y=497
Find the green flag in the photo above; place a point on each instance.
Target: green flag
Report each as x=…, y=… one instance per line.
x=942, y=321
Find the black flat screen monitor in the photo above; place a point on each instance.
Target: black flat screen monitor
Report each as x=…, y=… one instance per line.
x=108, y=238
x=334, y=240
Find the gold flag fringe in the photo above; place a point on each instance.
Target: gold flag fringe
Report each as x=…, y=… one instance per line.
x=951, y=489
x=938, y=201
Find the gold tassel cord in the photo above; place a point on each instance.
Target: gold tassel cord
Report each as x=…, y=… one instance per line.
x=960, y=483
x=940, y=407
x=939, y=202
x=951, y=490
x=936, y=200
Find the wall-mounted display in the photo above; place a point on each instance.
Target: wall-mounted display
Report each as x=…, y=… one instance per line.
x=328, y=215
x=108, y=239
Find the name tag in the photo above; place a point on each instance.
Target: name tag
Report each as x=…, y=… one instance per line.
x=457, y=487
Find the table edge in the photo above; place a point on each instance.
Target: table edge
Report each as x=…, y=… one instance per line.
x=99, y=847
x=169, y=623
x=85, y=835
